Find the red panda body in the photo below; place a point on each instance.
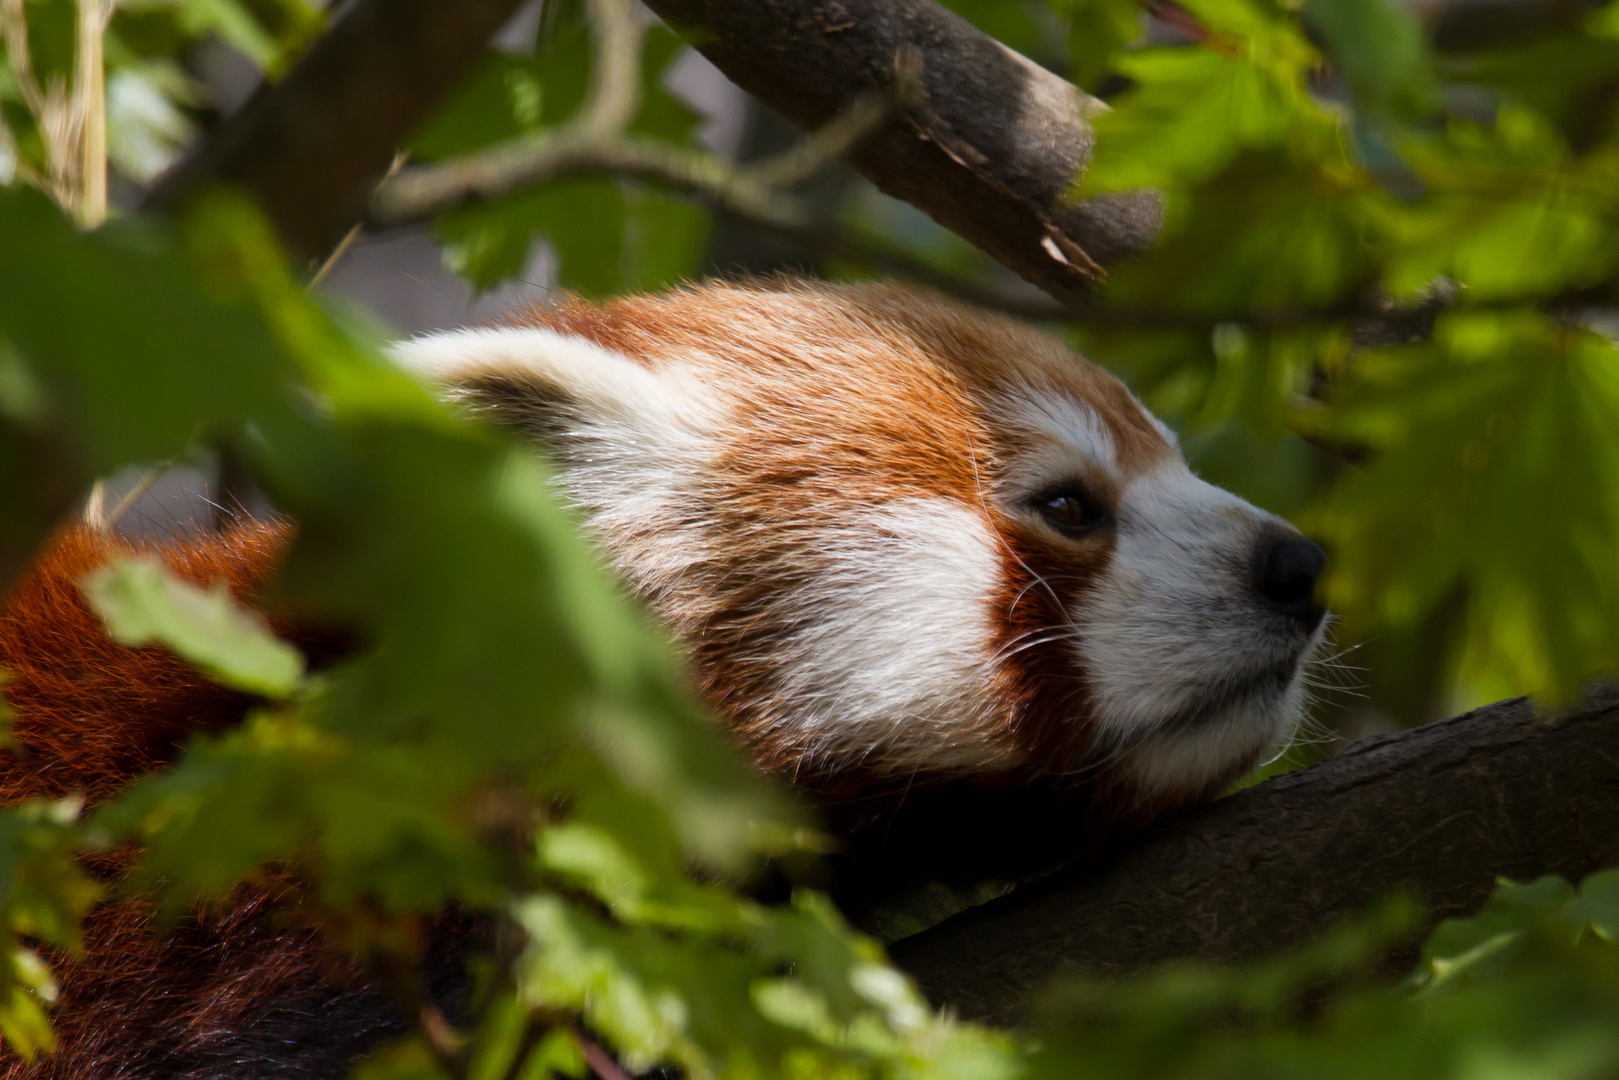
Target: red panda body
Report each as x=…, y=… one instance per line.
x=90, y=716
x=910, y=549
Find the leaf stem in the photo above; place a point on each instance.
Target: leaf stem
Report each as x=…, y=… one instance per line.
x=599, y=1060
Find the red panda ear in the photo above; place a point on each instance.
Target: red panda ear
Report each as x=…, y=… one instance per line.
x=562, y=389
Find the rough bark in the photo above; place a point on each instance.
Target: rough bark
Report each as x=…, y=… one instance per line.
x=988, y=148
x=311, y=147
x=1439, y=811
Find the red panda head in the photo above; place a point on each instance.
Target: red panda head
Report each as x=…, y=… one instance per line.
x=901, y=536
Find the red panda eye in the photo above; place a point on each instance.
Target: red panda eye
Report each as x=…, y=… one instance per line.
x=1065, y=512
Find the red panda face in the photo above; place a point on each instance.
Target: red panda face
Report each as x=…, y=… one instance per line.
x=899, y=536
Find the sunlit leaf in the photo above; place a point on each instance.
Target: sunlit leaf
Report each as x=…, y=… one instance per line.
x=1511, y=212
x=144, y=603
x=1503, y=426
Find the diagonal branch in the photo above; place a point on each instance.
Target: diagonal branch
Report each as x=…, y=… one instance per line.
x=989, y=144
x=989, y=148
x=311, y=148
x=615, y=89
x=1438, y=811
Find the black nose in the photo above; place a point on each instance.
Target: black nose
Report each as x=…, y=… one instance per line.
x=1285, y=572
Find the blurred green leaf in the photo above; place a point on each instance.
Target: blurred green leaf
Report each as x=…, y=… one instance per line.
x=1097, y=31
x=1502, y=411
x=1511, y=213
x=1264, y=236
x=237, y=25
x=1190, y=113
x=1379, y=48
x=609, y=237
x=143, y=602
x=43, y=897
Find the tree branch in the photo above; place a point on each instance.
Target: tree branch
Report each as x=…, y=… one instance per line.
x=989, y=149
x=311, y=148
x=596, y=141
x=1440, y=811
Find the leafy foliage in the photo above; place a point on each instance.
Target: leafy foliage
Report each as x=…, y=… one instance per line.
x=153, y=96
x=1383, y=305
x=142, y=603
x=1333, y=181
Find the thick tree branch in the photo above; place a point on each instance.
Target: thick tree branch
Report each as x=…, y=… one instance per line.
x=989, y=149
x=1440, y=810
x=312, y=147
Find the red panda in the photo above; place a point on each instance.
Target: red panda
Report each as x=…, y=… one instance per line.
x=903, y=538
x=912, y=550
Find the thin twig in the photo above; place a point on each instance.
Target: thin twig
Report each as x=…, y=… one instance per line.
x=136, y=493
x=599, y=1060
x=355, y=232
x=808, y=156
x=595, y=141
x=427, y=191
x=90, y=104
x=343, y=245
x=615, y=88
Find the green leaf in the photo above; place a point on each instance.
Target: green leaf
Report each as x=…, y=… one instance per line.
x=1267, y=234
x=1459, y=946
x=1191, y=112
x=233, y=22
x=1565, y=78
x=131, y=399
x=1097, y=32
x=1503, y=410
x=1510, y=214
x=1379, y=47
x=609, y=237
x=143, y=603
x=43, y=897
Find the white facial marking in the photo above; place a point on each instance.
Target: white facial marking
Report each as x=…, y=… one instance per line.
x=1061, y=439
x=889, y=660
x=1064, y=420
x=1189, y=672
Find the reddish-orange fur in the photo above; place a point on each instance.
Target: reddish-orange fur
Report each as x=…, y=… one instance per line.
x=899, y=412
x=91, y=714
x=90, y=717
